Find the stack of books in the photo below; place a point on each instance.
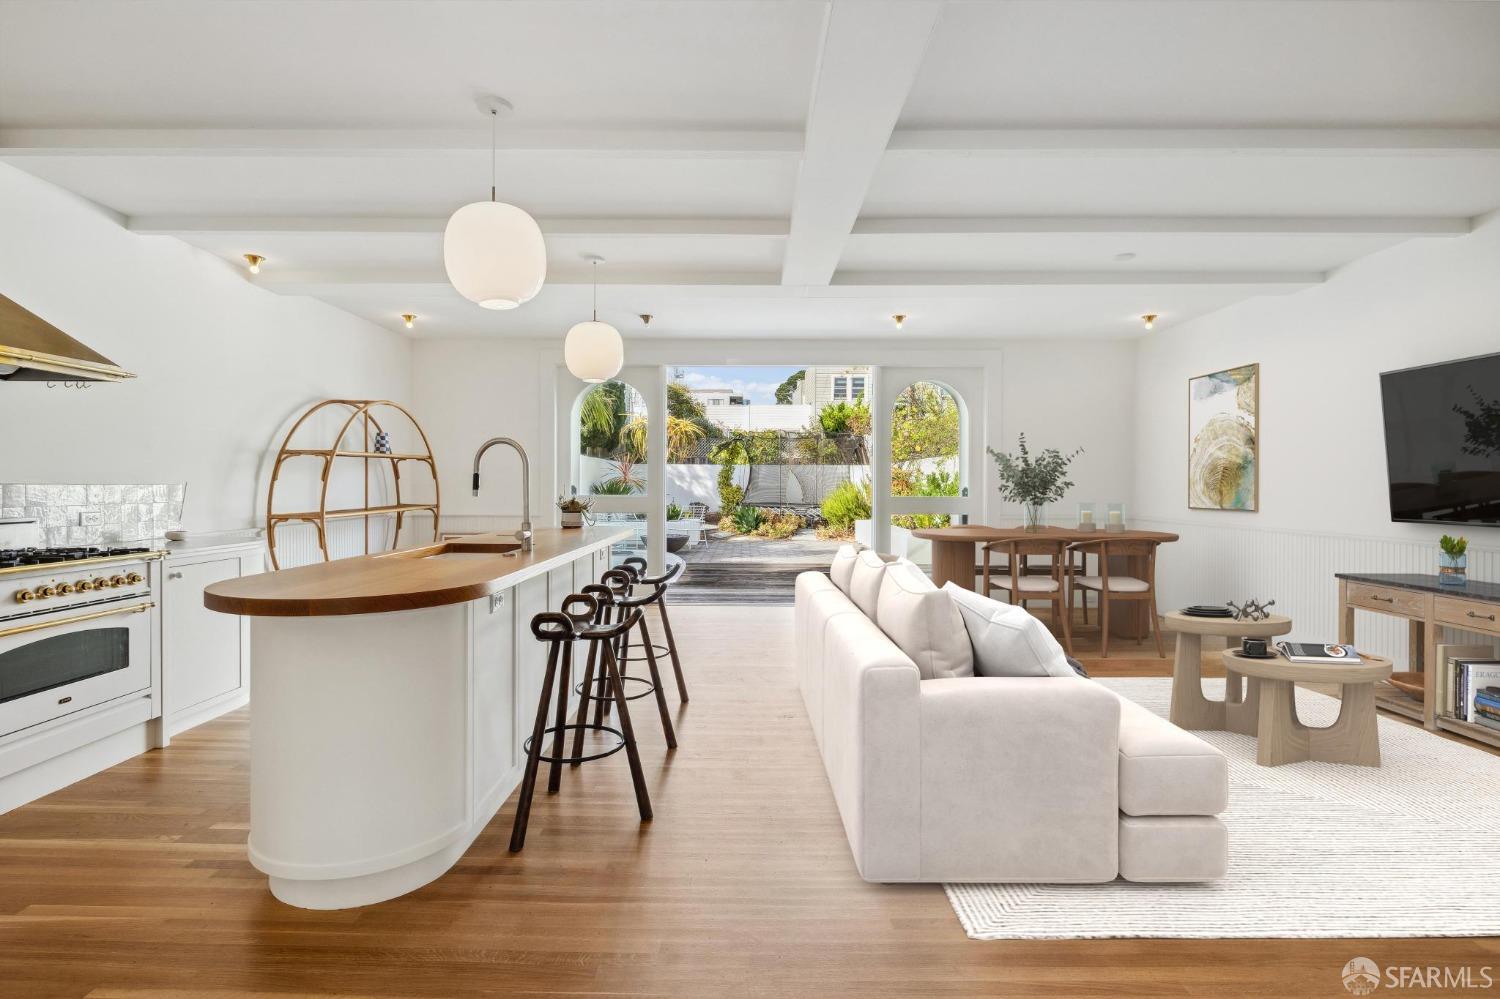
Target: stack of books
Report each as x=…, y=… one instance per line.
x=1470, y=685
x=1487, y=707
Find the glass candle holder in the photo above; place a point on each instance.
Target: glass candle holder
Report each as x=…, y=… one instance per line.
x=1114, y=517
x=1086, y=515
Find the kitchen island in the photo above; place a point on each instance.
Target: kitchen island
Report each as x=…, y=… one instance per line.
x=391, y=695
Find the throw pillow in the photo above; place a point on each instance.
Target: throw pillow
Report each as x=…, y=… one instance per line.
x=924, y=623
x=842, y=569
x=1007, y=640
x=864, y=582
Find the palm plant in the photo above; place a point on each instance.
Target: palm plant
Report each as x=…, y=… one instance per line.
x=683, y=436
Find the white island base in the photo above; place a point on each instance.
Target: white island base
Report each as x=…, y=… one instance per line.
x=382, y=744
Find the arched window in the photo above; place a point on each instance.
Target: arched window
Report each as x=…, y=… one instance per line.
x=926, y=441
x=609, y=420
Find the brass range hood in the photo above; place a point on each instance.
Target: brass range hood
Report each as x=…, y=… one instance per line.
x=33, y=350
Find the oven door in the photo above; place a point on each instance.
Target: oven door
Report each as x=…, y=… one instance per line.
x=58, y=664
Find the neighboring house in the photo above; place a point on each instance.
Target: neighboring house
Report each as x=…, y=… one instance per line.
x=711, y=397
x=825, y=384
x=760, y=417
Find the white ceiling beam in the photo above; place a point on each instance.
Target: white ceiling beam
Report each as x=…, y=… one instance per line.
x=844, y=284
x=298, y=142
x=1011, y=279
x=1195, y=141
x=1197, y=225
x=871, y=52
x=182, y=225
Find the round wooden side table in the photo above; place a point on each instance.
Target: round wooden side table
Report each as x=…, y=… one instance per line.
x=1190, y=709
x=1281, y=738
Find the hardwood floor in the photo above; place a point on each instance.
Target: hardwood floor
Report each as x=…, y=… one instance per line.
x=135, y=883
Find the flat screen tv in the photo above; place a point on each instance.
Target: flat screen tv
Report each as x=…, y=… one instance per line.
x=1442, y=441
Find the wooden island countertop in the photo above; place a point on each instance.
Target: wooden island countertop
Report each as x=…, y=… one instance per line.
x=448, y=572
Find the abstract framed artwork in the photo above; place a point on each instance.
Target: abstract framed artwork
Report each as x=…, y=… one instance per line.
x=1224, y=440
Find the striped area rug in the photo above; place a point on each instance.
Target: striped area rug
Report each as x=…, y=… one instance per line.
x=1411, y=849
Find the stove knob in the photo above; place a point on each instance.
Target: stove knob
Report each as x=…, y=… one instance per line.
x=24, y=596
x=117, y=581
x=83, y=586
x=63, y=589
x=100, y=583
x=134, y=577
x=43, y=592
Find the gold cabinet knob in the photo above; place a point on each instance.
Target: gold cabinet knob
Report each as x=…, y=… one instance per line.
x=117, y=581
x=134, y=577
x=43, y=592
x=24, y=596
x=100, y=583
x=63, y=589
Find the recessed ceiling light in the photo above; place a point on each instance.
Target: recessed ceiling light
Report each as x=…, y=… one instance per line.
x=646, y=318
x=254, y=260
x=409, y=318
x=1123, y=257
x=898, y=319
x=1149, y=319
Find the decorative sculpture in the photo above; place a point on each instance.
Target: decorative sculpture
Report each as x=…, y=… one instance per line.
x=1251, y=609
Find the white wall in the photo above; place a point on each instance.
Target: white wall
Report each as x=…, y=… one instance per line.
x=1323, y=505
x=222, y=365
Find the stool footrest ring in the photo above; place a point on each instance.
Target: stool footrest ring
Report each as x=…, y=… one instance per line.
x=586, y=757
x=650, y=688
x=635, y=656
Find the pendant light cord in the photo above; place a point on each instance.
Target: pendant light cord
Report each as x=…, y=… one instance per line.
x=494, y=118
x=596, y=291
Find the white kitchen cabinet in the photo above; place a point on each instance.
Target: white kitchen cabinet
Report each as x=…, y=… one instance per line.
x=205, y=657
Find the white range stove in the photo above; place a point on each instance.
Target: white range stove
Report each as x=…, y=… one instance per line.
x=77, y=628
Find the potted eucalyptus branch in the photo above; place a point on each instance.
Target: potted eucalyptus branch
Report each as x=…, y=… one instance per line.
x=574, y=509
x=1033, y=480
x=1453, y=562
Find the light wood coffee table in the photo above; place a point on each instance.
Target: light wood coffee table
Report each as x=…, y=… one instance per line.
x=1190, y=709
x=1281, y=738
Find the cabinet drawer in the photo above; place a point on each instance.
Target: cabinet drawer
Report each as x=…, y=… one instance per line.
x=1475, y=615
x=1388, y=599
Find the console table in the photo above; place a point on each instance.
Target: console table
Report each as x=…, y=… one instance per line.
x=1427, y=605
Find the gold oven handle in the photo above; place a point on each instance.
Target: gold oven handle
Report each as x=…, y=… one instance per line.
x=43, y=625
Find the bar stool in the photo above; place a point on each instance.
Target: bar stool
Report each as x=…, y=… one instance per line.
x=662, y=581
x=560, y=631
x=620, y=582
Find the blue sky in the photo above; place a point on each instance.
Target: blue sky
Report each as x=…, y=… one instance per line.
x=758, y=384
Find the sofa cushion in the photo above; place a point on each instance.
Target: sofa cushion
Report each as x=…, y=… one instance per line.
x=924, y=623
x=864, y=582
x=1165, y=770
x=842, y=569
x=1007, y=641
x=1168, y=848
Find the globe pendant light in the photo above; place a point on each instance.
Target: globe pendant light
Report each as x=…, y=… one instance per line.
x=593, y=350
x=493, y=252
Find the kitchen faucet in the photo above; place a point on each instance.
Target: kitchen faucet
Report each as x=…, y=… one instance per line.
x=524, y=534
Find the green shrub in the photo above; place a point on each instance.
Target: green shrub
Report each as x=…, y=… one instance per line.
x=612, y=487
x=846, y=504
x=747, y=519
x=779, y=526
x=674, y=512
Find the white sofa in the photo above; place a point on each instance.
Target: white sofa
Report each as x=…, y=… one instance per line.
x=998, y=779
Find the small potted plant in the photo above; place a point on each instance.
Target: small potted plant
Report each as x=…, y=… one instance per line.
x=574, y=509
x=1453, y=561
x=1033, y=481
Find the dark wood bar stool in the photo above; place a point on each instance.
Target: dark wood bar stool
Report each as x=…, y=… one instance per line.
x=621, y=583
x=560, y=631
x=662, y=582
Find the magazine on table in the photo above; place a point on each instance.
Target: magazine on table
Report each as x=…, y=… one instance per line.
x=1314, y=652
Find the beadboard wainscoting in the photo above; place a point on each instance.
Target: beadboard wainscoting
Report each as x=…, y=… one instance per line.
x=1214, y=562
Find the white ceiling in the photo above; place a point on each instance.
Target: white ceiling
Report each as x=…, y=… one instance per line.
x=793, y=168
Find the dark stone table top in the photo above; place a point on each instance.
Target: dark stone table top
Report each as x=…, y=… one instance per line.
x=1472, y=590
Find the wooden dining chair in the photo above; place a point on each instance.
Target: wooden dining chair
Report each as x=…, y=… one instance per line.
x=1110, y=588
x=1023, y=586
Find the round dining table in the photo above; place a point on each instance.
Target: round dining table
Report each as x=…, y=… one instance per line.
x=954, y=559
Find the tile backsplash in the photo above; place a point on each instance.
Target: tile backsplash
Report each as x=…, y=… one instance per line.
x=75, y=514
